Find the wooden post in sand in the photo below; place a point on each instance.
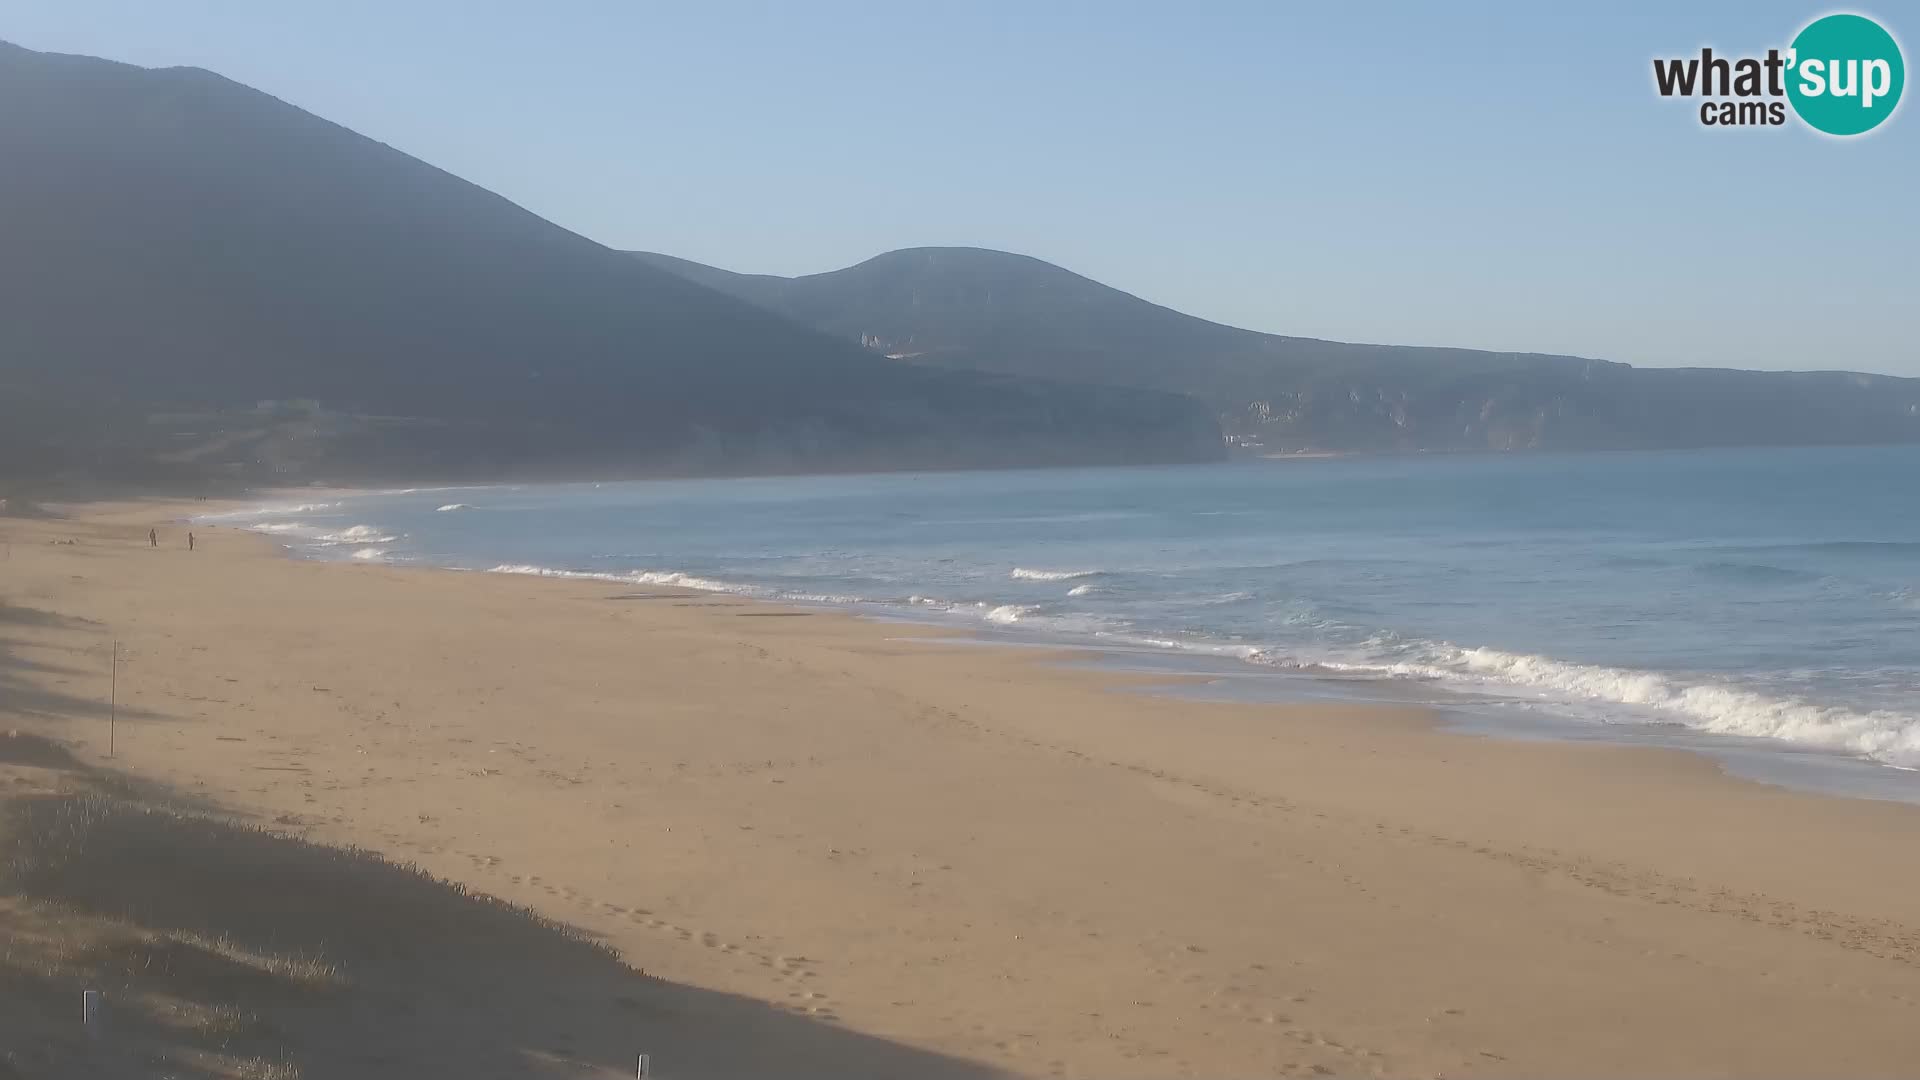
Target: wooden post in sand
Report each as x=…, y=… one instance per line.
x=93, y=1015
x=113, y=695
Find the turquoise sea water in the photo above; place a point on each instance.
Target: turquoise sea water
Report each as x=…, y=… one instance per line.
x=1763, y=598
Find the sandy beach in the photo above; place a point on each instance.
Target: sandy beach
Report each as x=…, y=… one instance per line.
x=843, y=847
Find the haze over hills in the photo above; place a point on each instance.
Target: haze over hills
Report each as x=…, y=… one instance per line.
x=199, y=279
x=994, y=311
x=196, y=277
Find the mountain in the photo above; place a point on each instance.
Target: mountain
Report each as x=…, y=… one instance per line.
x=993, y=311
x=196, y=277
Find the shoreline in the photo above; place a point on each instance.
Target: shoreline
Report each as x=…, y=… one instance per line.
x=1461, y=709
x=1755, y=759
x=984, y=852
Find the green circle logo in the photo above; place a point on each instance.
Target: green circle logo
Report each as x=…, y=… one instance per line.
x=1845, y=74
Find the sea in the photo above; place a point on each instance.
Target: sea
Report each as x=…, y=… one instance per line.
x=1760, y=605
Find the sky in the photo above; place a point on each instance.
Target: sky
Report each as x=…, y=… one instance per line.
x=1498, y=176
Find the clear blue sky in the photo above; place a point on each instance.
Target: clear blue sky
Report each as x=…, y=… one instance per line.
x=1493, y=176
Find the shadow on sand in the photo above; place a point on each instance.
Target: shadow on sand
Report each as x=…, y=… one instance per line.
x=221, y=943
x=22, y=681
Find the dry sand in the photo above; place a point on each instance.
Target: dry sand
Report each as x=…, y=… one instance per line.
x=927, y=857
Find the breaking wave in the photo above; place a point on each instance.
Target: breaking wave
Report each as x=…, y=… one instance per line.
x=352, y=534
x=637, y=577
x=267, y=510
x=1719, y=708
x=1007, y=614
x=1021, y=573
x=356, y=534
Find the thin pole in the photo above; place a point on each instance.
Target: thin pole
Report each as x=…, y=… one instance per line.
x=93, y=1015
x=113, y=696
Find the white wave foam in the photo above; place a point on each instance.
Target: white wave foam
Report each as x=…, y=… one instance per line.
x=1028, y=615
x=546, y=571
x=688, y=581
x=370, y=554
x=352, y=534
x=356, y=534
x=1021, y=573
x=1083, y=590
x=638, y=577
x=1881, y=735
x=678, y=580
x=451, y=507
x=266, y=510
x=1007, y=614
x=1721, y=709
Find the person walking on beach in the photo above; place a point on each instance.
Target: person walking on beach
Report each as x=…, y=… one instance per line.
x=153, y=538
x=189, y=541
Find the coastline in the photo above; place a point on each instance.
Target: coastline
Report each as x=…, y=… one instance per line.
x=984, y=852
x=1532, y=692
